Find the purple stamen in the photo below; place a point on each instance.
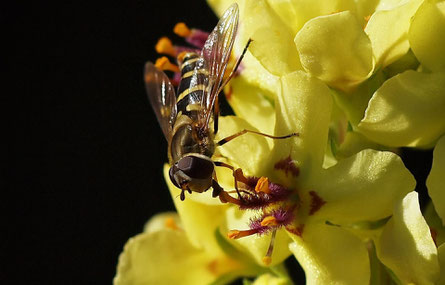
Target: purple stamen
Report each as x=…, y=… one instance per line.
x=259, y=200
x=197, y=38
x=283, y=217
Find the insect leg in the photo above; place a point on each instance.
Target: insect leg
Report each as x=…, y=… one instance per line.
x=229, y=138
x=237, y=175
x=217, y=189
x=232, y=73
x=223, y=195
x=184, y=187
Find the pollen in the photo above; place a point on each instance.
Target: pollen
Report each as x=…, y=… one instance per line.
x=366, y=18
x=165, y=46
x=171, y=224
x=263, y=185
x=182, y=30
x=164, y=64
x=269, y=221
x=236, y=234
x=267, y=260
x=233, y=234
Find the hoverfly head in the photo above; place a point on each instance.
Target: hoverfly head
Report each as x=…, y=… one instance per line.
x=193, y=171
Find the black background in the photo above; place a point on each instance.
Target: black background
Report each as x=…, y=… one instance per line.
x=85, y=159
x=87, y=151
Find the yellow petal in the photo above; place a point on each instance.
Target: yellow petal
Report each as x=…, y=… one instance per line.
x=246, y=151
x=251, y=103
x=268, y=279
x=272, y=41
x=408, y=110
x=162, y=221
x=427, y=35
x=303, y=106
x=354, y=143
x=354, y=102
x=388, y=31
x=331, y=255
x=365, y=8
x=441, y=254
x=362, y=187
x=167, y=257
x=436, y=179
x=390, y=4
x=435, y=224
x=335, y=49
x=406, y=246
x=220, y=6
x=295, y=13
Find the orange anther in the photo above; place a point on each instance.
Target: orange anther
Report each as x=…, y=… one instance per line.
x=267, y=260
x=262, y=185
x=165, y=46
x=164, y=64
x=366, y=20
x=182, y=30
x=269, y=221
x=233, y=234
x=171, y=224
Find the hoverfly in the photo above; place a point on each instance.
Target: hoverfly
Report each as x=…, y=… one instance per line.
x=185, y=118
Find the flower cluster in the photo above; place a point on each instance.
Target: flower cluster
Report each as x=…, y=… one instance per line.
x=356, y=80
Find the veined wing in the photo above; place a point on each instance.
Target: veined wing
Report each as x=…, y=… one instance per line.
x=215, y=56
x=162, y=97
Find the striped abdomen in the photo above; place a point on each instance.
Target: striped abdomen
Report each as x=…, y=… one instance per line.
x=191, y=87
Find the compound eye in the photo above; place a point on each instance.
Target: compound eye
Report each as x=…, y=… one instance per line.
x=196, y=167
x=171, y=173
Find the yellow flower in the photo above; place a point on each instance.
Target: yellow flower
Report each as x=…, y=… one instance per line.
x=331, y=44
x=436, y=215
x=164, y=254
x=346, y=214
x=363, y=187
x=385, y=53
x=406, y=246
x=436, y=180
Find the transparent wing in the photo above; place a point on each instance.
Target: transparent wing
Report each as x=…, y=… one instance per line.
x=162, y=97
x=215, y=55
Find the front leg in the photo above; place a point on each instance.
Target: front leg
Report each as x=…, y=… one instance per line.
x=237, y=175
x=217, y=189
x=184, y=188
